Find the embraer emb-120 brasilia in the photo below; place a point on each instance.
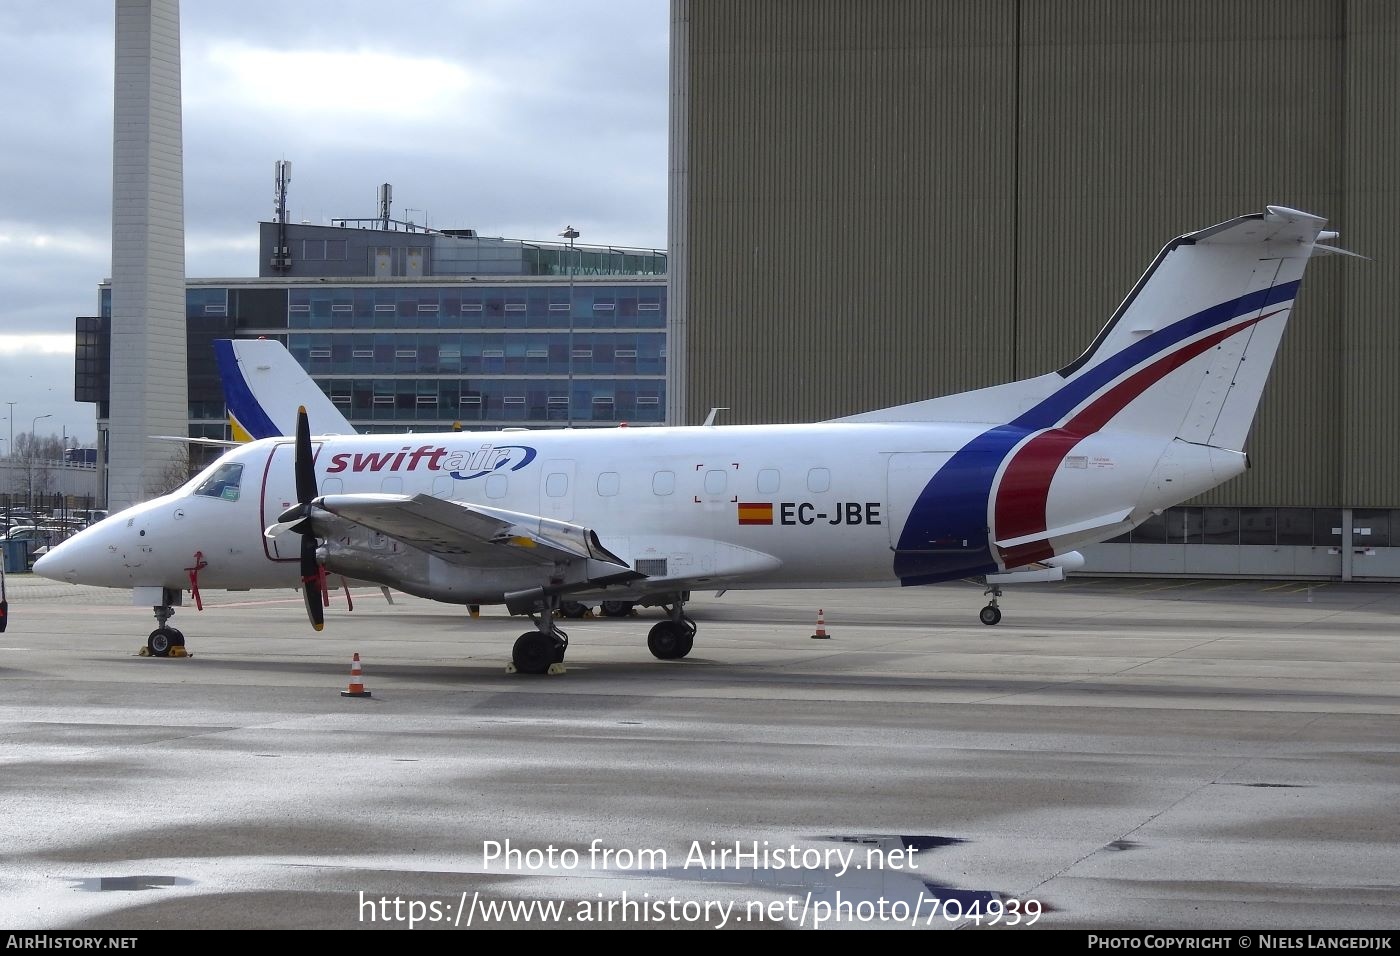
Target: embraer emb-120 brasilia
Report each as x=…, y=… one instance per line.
x=1002, y=483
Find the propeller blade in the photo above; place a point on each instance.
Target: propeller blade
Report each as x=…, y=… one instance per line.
x=305, y=463
x=298, y=518
x=282, y=527
x=311, y=582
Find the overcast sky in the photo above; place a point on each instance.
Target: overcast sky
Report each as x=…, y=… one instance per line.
x=511, y=117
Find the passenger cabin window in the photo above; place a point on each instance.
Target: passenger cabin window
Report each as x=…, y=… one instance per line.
x=223, y=483
x=818, y=480
x=663, y=482
x=496, y=486
x=556, y=485
x=609, y=484
x=768, y=481
x=716, y=480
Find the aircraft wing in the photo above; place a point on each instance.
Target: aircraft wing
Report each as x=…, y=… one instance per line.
x=474, y=536
x=186, y=440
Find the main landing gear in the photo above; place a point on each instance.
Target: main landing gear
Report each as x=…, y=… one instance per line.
x=673, y=638
x=991, y=614
x=616, y=608
x=165, y=641
x=542, y=650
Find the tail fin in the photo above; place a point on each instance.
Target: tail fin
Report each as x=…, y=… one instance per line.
x=264, y=385
x=1187, y=353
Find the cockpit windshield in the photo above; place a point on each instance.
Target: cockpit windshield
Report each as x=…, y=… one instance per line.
x=223, y=482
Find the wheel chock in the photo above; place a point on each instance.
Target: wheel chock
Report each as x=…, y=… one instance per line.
x=554, y=669
x=176, y=651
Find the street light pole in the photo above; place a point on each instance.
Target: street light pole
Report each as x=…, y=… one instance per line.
x=570, y=233
x=33, y=432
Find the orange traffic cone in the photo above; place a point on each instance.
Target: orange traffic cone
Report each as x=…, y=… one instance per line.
x=821, y=634
x=357, y=687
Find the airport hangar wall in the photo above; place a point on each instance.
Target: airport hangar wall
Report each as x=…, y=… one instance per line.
x=878, y=202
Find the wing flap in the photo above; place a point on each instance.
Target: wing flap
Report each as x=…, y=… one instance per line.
x=472, y=535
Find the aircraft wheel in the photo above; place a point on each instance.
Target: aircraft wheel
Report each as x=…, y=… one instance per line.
x=616, y=608
x=670, y=641
x=162, y=639
x=533, y=653
x=177, y=637
x=991, y=614
x=572, y=608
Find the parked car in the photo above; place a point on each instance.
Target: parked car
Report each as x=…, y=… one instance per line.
x=44, y=534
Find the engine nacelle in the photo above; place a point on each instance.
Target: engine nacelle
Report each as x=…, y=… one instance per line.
x=424, y=575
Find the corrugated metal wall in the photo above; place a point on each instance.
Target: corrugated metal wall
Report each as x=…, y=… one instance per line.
x=847, y=197
x=1369, y=343
x=893, y=199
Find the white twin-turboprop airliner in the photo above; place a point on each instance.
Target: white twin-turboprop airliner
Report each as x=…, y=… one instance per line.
x=1002, y=484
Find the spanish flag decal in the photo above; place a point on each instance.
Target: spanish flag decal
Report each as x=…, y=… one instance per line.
x=755, y=512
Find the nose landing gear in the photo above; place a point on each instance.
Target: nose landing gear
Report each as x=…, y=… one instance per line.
x=165, y=641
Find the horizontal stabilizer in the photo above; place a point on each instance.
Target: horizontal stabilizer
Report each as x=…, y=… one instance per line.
x=1076, y=528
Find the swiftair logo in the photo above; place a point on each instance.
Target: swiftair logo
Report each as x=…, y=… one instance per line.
x=460, y=463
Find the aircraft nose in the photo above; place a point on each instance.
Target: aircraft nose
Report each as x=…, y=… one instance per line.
x=72, y=561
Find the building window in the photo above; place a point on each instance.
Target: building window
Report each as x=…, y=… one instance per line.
x=1258, y=526
x=1370, y=528
x=1295, y=526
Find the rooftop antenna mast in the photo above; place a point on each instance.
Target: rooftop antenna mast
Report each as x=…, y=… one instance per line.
x=386, y=199
x=281, y=253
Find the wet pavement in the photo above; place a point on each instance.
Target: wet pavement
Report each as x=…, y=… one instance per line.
x=1114, y=754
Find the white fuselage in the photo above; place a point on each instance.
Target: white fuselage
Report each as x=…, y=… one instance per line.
x=742, y=506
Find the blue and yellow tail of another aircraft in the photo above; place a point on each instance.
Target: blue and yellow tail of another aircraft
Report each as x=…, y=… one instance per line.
x=263, y=388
